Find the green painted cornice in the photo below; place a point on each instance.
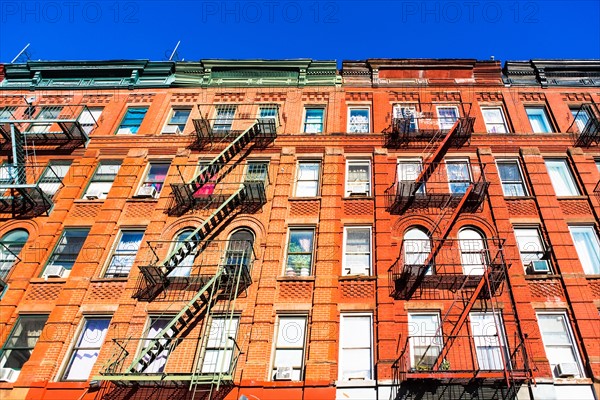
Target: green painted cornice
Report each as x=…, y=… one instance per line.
x=87, y=74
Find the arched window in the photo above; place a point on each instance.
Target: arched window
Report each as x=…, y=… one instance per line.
x=416, y=246
x=472, y=251
x=184, y=268
x=10, y=247
x=239, y=250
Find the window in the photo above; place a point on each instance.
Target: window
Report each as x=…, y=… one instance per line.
x=531, y=246
x=408, y=172
x=65, y=253
x=239, y=252
x=560, y=347
x=357, y=251
x=10, y=247
x=358, y=178
x=473, y=252
x=220, y=346
x=356, y=338
x=224, y=118
x=9, y=174
x=459, y=176
x=84, y=353
x=124, y=254
x=307, y=183
x=416, y=247
x=597, y=161
x=425, y=339
x=52, y=177
x=561, y=178
x=447, y=115
x=538, y=119
x=102, y=180
x=132, y=120
x=177, y=120
x=300, y=252
x=407, y=111
x=184, y=267
x=257, y=171
x=588, y=248
x=268, y=111
x=313, y=120
x=89, y=118
x=358, y=120
x=46, y=113
x=7, y=113
x=490, y=340
x=288, y=362
x=494, y=119
x=511, y=178
x=157, y=324
x=581, y=118
x=155, y=177
x=20, y=343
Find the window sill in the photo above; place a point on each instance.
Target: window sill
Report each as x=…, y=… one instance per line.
x=579, y=197
x=100, y=280
x=142, y=200
x=357, y=198
x=519, y=197
x=83, y=201
x=295, y=278
x=571, y=381
x=312, y=198
x=48, y=280
x=592, y=276
x=356, y=383
x=357, y=278
x=541, y=277
x=284, y=383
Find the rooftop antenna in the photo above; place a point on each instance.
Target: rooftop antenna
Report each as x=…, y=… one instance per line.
x=21, y=53
x=174, y=53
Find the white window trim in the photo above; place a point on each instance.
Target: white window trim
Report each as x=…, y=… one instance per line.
x=540, y=237
x=147, y=171
x=359, y=107
x=115, y=245
x=320, y=163
x=574, y=346
x=227, y=347
x=522, y=175
x=344, y=315
x=592, y=227
x=438, y=335
x=437, y=110
x=275, y=345
x=411, y=106
x=502, y=115
x=458, y=161
x=287, y=247
x=345, y=251
x=170, y=116
x=569, y=171
x=545, y=113
x=367, y=162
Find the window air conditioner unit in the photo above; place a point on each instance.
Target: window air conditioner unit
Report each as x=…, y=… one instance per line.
x=539, y=267
x=146, y=192
x=8, y=375
x=171, y=130
x=567, y=369
x=54, y=271
x=93, y=195
x=358, y=189
x=357, y=270
x=283, y=374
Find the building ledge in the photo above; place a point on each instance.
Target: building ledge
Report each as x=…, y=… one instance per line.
x=295, y=278
x=359, y=383
x=357, y=278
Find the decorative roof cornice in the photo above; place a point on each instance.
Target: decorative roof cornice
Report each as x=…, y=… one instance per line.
x=544, y=73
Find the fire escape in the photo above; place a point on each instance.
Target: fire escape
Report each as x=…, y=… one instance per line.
x=216, y=272
x=446, y=360
x=25, y=130
x=585, y=129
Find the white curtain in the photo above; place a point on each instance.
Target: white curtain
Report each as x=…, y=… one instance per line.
x=87, y=349
x=561, y=178
x=588, y=248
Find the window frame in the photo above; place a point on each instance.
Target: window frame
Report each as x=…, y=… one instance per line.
x=438, y=335
x=305, y=122
x=347, y=270
x=347, y=183
x=572, y=184
x=576, y=111
x=504, y=122
x=468, y=181
x=343, y=375
x=77, y=253
x=8, y=348
x=224, y=123
x=169, y=122
x=299, y=164
x=569, y=332
x=403, y=173
x=95, y=179
x=131, y=129
x=350, y=124
x=53, y=178
x=543, y=252
x=74, y=347
x=498, y=339
x=277, y=346
x=397, y=112
x=85, y=125
x=297, y=271
x=44, y=128
x=545, y=117
x=155, y=367
x=442, y=124
x=521, y=175
x=146, y=182
x=593, y=229
x=113, y=254
x=220, y=348
x=9, y=255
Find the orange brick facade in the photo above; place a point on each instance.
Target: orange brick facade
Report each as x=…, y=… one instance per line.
x=328, y=292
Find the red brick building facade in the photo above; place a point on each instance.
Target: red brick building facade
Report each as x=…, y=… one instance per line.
x=281, y=229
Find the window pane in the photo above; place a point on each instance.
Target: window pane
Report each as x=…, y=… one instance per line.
x=313, y=122
x=561, y=178
x=22, y=340
x=85, y=352
x=132, y=120
x=512, y=181
x=68, y=248
x=558, y=343
x=538, y=119
x=358, y=121
x=588, y=248
x=291, y=332
x=124, y=255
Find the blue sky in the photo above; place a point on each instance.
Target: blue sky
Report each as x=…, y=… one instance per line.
x=322, y=30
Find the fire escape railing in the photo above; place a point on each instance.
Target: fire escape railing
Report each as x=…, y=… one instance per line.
x=585, y=127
